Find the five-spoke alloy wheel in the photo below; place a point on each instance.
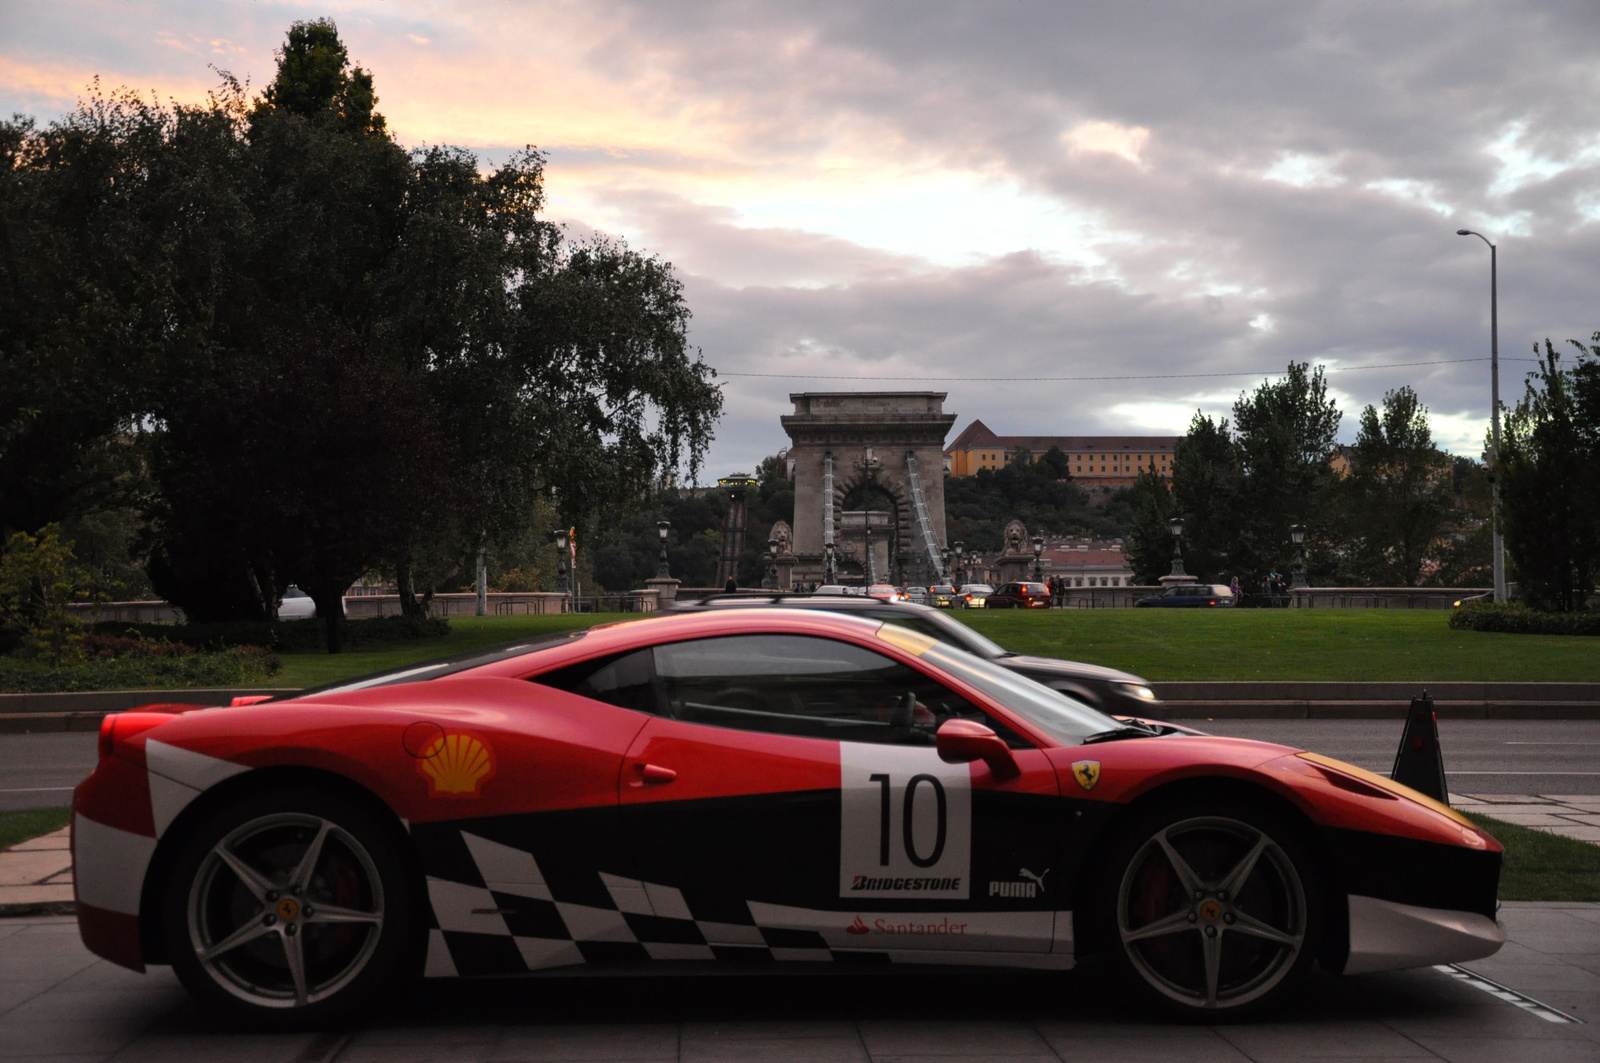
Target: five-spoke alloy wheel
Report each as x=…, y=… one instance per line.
x=286, y=909
x=1213, y=909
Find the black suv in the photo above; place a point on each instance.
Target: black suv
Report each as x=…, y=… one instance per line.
x=1110, y=691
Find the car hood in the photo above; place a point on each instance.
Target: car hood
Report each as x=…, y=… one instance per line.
x=1074, y=669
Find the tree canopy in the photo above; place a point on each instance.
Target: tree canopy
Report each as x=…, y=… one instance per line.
x=304, y=351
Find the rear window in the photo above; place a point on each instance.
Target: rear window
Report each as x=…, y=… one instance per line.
x=1034, y=588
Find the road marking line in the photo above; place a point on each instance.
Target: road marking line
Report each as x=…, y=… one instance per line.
x=1510, y=996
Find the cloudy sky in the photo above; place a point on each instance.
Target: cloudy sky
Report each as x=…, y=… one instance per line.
x=1074, y=218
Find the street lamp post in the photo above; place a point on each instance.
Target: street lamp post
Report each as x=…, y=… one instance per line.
x=1297, y=579
x=944, y=569
x=562, y=586
x=1494, y=415
x=961, y=570
x=770, y=580
x=664, y=529
x=1038, y=553
x=828, y=562
x=1175, y=526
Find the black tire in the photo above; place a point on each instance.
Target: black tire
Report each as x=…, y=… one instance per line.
x=1230, y=933
x=351, y=918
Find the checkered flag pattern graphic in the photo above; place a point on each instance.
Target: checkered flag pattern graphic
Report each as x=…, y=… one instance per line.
x=513, y=920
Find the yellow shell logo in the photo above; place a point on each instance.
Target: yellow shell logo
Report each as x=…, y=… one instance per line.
x=456, y=765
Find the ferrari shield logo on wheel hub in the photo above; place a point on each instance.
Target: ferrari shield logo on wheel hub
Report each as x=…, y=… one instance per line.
x=1087, y=772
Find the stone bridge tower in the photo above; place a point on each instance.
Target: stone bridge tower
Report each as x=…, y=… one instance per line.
x=869, y=478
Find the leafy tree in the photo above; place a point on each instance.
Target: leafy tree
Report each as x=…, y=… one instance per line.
x=1039, y=493
x=1148, y=546
x=1398, y=496
x=1286, y=432
x=192, y=260
x=1550, y=480
x=315, y=80
x=39, y=577
x=1207, y=483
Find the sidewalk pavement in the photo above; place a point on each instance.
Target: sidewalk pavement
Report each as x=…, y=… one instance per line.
x=59, y=1002
x=1570, y=817
x=36, y=876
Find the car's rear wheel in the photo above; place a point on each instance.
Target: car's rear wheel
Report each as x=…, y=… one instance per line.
x=1211, y=909
x=287, y=909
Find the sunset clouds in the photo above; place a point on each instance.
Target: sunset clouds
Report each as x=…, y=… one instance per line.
x=931, y=192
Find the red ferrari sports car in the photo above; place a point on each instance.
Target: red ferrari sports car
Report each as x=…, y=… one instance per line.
x=770, y=787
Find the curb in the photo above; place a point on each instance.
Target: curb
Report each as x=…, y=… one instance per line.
x=1378, y=710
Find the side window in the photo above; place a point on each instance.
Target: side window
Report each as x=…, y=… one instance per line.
x=810, y=688
x=626, y=680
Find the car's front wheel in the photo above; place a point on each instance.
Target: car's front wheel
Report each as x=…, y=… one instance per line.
x=1210, y=910
x=289, y=908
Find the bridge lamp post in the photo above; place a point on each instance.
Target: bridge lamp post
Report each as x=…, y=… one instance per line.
x=960, y=548
x=562, y=586
x=1038, y=553
x=770, y=580
x=664, y=529
x=1175, y=526
x=944, y=557
x=1297, y=579
x=1494, y=416
x=828, y=562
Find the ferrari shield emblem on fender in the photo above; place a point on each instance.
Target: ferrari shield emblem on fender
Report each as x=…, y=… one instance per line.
x=1087, y=772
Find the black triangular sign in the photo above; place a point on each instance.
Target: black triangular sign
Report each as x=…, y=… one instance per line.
x=1419, y=763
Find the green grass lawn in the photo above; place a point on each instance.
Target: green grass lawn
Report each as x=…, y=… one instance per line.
x=1328, y=644
x=1181, y=644
x=1544, y=867
x=30, y=823
x=466, y=633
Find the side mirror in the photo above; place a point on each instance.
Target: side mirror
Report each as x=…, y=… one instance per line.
x=963, y=741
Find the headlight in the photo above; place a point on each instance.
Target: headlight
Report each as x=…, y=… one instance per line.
x=1137, y=690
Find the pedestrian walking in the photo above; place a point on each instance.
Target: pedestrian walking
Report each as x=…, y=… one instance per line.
x=731, y=588
x=1233, y=585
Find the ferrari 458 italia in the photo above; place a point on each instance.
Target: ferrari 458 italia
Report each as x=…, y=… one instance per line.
x=747, y=788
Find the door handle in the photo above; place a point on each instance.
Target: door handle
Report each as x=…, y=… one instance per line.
x=655, y=774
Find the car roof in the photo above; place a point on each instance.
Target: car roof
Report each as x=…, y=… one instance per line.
x=516, y=659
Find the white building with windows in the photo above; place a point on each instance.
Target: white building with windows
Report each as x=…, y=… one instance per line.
x=1087, y=563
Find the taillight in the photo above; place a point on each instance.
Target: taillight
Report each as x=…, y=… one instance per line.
x=125, y=725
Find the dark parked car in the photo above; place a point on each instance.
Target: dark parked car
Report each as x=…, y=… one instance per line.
x=1106, y=689
x=1190, y=596
x=1020, y=596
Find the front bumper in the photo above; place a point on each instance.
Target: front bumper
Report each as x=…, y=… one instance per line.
x=1389, y=936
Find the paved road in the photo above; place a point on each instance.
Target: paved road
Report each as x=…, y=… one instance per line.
x=57, y=1001
x=1481, y=756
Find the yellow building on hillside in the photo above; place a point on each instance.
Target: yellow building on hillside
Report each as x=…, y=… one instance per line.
x=1110, y=460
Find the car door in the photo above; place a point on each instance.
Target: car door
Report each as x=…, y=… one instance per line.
x=790, y=801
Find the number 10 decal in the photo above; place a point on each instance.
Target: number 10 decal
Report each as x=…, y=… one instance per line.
x=905, y=826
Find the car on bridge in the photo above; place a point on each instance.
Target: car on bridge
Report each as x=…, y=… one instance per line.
x=741, y=790
x=973, y=595
x=1020, y=595
x=1190, y=596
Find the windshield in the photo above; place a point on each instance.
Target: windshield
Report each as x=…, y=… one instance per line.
x=438, y=669
x=1063, y=719
x=942, y=628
